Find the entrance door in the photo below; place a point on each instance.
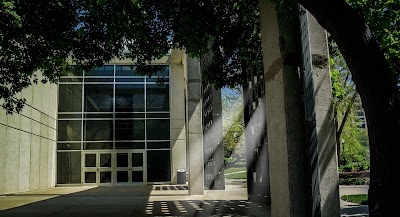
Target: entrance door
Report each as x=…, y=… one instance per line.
x=130, y=168
x=97, y=168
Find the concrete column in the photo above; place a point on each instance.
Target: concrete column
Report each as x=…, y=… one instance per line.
x=285, y=114
x=194, y=126
x=329, y=177
x=178, y=129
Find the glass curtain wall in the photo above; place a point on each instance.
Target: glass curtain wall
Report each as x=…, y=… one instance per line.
x=113, y=108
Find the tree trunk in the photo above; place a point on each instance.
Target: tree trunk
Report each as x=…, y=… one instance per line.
x=376, y=85
x=339, y=130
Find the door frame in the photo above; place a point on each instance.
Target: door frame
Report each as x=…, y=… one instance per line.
x=97, y=169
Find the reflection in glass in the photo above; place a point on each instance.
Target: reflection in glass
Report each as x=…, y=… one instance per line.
x=69, y=146
x=97, y=145
x=137, y=159
x=127, y=70
x=68, y=167
x=107, y=70
x=105, y=177
x=157, y=97
x=69, y=130
x=70, y=98
x=98, y=130
x=129, y=129
x=98, y=98
x=122, y=176
x=137, y=176
x=105, y=160
x=158, y=145
x=122, y=159
x=90, y=177
x=129, y=145
x=157, y=129
x=90, y=160
x=159, y=166
x=129, y=97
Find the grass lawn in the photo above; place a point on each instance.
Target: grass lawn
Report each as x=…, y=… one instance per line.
x=234, y=169
x=357, y=198
x=238, y=173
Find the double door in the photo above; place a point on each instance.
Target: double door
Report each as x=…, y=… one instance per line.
x=113, y=168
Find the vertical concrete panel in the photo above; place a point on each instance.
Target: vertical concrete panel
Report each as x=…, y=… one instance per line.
x=45, y=98
x=287, y=150
x=37, y=95
x=53, y=100
x=194, y=127
x=35, y=162
x=329, y=177
x=24, y=161
x=3, y=154
x=27, y=94
x=178, y=142
x=43, y=163
x=35, y=124
x=51, y=176
x=12, y=160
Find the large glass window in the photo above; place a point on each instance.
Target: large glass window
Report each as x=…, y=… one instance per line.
x=69, y=167
x=113, y=108
x=157, y=129
x=157, y=97
x=107, y=70
x=98, y=130
x=69, y=130
x=98, y=97
x=129, y=129
x=129, y=98
x=70, y=98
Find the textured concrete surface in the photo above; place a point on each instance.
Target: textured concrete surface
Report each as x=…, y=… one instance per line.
x=157, y=200
x=284, y=108
x=27, y=143
x=131, y=201
x=327, y=156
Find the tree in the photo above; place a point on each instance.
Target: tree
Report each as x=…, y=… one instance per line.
x=46, y=34
x=232, y=113
x=348, y=110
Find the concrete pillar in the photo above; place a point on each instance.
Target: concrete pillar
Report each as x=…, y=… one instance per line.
x=178, y=129
x=285, y=114
x=194, y=126
x=329, y=177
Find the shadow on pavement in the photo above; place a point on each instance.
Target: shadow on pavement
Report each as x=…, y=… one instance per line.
x=124, y=201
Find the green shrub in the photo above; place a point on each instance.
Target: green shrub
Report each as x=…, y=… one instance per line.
x=353, y=181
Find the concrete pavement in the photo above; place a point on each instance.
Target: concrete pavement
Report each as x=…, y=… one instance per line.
x=158, y=200
x=348, y=209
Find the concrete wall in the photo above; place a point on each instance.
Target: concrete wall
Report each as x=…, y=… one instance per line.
x=28, y=142
x=177, y=109
x=327, y=157
x=284, y=114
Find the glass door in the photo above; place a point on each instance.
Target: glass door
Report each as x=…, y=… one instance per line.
x=97, y=168
x=130, y=168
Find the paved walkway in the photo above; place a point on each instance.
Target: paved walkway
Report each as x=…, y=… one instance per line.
x=348, y=209
x=168, y=200
x=132, y=202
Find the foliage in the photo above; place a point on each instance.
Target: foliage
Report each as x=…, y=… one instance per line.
x=232, y=112
x=383, y=18
x=352, y=139
x=355, y=166
x=353, y=181
x=49, y=35
x=356, y=198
